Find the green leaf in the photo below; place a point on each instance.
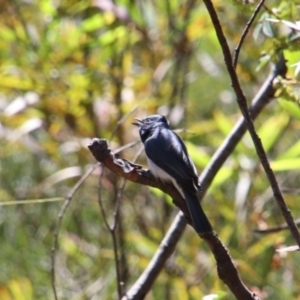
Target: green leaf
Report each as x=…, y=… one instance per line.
x=7, y=34
x=292, y=56
x=272, y=129
x=113, y=35
x=223, y=174
x=257, y=30
x=263, y=61
x=48, y=7
x=31, y=201
x=286, y=164
x=291, y=107
x=223, y=122
x=197, y=154
x=15, y=82
x=217, y=296
x=93, y=23
x=267, y=29
x=161, y=194
x=21, y=289
x=292, y=152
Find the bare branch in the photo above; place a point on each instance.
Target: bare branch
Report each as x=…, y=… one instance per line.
x=245, y=32
x=242, y=102
x=275, y=229
x=120, y=122
x=112, y=231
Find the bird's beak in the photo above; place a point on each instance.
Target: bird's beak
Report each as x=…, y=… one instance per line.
x=138, y=122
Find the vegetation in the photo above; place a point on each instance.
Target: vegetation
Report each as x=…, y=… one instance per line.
x=74, y=70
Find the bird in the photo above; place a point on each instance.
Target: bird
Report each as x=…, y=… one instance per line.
x=168, y=161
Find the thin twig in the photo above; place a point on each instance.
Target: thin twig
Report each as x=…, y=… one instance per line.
x=127, y=146
x=121, y=121
x=120, y=234
x=102, y=210
x=275, y=229
x=59, y=220
x=116, y=255
x=182, y=52
x=290, y=191
x=245, y=32
x=271, y=12
x=112, y=230
x=113, y=227
x=242, y=102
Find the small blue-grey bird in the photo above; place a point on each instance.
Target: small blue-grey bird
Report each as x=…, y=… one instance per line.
x=168, y=160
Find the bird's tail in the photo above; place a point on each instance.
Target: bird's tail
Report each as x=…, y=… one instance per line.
x=200, y=221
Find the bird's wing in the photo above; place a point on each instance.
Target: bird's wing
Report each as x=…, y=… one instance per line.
x=169, y=153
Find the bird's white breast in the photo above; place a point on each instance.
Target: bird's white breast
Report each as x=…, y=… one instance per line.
x=161, y=174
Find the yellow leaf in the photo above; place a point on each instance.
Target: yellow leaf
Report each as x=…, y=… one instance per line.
x=21, y=289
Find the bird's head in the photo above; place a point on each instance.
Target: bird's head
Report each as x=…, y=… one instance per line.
x=152, y=121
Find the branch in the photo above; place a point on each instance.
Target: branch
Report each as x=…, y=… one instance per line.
x=242, y=102
x=133, y=172
x=245, y=32
x=275, y=229
x=112, y=230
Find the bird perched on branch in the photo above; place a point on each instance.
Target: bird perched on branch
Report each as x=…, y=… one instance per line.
x=168, y=160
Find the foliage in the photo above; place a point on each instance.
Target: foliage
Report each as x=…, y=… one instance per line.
x=69, y=71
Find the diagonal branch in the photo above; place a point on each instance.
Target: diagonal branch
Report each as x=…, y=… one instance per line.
x=242, y=102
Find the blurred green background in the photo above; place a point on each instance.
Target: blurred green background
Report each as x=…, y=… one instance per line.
x=69, y=71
